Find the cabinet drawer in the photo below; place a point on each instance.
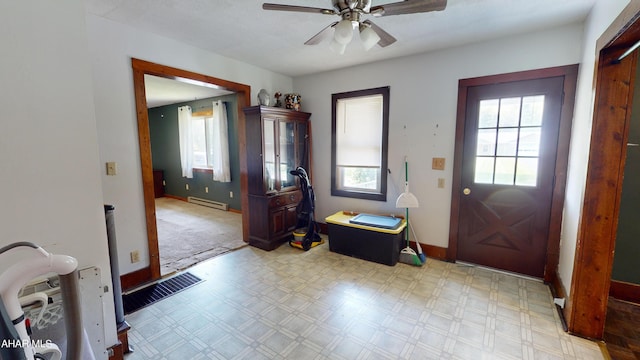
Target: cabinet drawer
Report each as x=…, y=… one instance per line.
x=293, y=197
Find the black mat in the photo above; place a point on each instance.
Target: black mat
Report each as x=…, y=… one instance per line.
x=156, y=292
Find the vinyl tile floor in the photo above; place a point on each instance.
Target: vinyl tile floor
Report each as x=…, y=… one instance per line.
x=291, y=304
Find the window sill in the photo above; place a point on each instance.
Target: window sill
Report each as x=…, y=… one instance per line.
x=203, y=171
x=359, y=195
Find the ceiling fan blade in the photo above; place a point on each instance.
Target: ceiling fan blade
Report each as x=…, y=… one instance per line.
x=385, y=38
x=323, y=34
x=280, y=7
x=409, y=7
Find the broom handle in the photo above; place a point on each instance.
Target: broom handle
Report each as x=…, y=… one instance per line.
x=406, y=170
x=406, y=210
x=406, y=234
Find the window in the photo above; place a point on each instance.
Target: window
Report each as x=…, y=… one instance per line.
x=359, y=131
x=508, y=147
x=201, y=128
x=204, y=142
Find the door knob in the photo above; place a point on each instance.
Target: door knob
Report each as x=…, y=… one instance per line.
x=466, y=191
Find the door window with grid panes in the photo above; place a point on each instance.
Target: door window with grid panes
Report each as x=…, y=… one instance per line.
x=508, y=146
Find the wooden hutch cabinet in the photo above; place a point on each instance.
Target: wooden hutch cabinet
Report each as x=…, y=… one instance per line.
x=278, y=141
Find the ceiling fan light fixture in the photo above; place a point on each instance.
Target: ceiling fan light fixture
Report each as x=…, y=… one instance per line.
x=369, y=37
x=343, y=32
x=337, y=47
x=353, y=13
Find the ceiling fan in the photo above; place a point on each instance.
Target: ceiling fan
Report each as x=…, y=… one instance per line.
x=352, y=13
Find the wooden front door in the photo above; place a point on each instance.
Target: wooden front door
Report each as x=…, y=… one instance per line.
x=507, y=174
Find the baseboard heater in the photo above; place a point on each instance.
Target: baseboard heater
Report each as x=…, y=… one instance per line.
x=208, y=203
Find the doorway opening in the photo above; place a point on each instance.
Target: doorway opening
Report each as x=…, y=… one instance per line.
x=140, y=69
x=198, y=216
x=586, y=310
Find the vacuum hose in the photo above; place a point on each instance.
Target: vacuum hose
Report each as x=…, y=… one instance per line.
x=18, y=244
x=70, y=289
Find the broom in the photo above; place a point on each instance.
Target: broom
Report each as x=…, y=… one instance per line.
x=421, y=255
x=407, y=200
x=407, y=255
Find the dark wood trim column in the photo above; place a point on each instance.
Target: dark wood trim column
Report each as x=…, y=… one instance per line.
x=587, y=303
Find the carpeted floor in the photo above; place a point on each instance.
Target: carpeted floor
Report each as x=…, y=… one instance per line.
x=189, y=233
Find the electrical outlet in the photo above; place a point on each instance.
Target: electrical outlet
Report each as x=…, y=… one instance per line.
x=186, y=186
x=437, y=163
x=206, y=189
x=231, y=194
x=135, y=256
x=441, y=183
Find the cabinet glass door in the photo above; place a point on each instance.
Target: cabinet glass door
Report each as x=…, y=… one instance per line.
x=302, y=146
x=269, y=154
x=287, y=155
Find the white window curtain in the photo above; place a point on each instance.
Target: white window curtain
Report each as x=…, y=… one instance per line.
x=186, y=141
x=218, y=147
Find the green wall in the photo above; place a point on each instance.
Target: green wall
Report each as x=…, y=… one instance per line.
x=165, y=152
x=627, y=253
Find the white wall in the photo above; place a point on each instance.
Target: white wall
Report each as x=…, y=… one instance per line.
x=424, y=93
x=112, y=46
x=51, y=188
x=603, y=13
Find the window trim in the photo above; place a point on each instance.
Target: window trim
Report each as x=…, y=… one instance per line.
x=358, y=194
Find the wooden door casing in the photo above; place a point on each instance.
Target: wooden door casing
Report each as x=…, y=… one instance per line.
x=140, y=69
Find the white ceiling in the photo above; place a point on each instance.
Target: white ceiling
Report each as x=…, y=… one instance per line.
x=274, y=40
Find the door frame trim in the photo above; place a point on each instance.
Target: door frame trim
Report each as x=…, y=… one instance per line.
x=140, y=68
x=570, y=74
x=613, y=85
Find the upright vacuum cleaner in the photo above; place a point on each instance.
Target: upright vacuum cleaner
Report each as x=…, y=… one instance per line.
x=306, y=224
x=14, y=327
